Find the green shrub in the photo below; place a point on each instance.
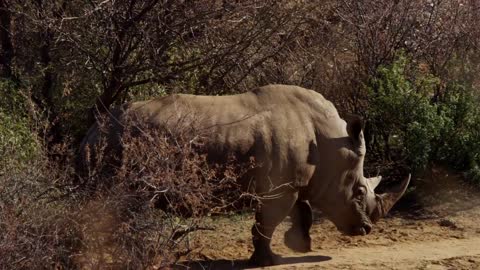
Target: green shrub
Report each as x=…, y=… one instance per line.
x=401, y=117
x=17, y=141
x=412, y=118
x=460, y=147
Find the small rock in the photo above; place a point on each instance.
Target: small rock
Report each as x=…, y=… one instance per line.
x=447, y=223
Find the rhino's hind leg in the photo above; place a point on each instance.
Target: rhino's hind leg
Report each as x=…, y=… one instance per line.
x=297, y=237
x=270, y=213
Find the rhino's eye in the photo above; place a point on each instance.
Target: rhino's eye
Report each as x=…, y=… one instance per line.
x=360, y=192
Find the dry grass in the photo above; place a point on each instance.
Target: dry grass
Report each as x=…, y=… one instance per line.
x=138, y=215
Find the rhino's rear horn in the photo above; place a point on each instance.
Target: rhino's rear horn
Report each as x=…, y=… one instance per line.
x=387, y=200
x=374, y=181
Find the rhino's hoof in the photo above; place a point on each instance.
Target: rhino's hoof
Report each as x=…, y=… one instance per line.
x=264, y=259
x=297, y=241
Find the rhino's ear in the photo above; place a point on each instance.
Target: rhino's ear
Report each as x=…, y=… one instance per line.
x=355, y=125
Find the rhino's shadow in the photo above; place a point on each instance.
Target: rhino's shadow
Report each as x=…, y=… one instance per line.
x=243, y=264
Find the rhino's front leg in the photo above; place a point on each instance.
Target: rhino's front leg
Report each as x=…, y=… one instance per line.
x=269, y=214
x=297, y=237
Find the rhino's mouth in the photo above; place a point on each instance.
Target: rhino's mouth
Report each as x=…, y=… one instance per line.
x=363, y=230
x=365, y=226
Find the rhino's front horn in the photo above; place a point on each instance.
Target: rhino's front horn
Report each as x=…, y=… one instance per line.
x=386, y=200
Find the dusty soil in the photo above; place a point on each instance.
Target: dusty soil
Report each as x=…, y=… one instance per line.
x=436, y=226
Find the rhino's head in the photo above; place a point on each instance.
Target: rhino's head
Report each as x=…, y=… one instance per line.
x=352, y=204
x=363, y=207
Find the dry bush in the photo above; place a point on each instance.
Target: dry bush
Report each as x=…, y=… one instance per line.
x=187, y=182
x=157, y=189
x=141, y=216
x=85, y=56
x=37, y=220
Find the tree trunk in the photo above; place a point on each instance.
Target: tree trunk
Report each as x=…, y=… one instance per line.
x=103, y=102
x=6, y=53
x=54, y=131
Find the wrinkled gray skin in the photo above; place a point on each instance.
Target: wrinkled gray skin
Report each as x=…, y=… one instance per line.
x=307, y=156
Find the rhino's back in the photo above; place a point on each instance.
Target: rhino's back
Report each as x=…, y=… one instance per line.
x=269, y=105
x=280, y=114
x=277, y=124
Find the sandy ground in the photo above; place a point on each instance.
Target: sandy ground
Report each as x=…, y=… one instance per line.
x=440, y=230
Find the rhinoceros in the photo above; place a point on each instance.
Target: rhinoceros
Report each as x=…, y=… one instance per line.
x=307, y=156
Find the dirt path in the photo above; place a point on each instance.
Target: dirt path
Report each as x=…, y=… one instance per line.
x=431, y=255
x=446, y=242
